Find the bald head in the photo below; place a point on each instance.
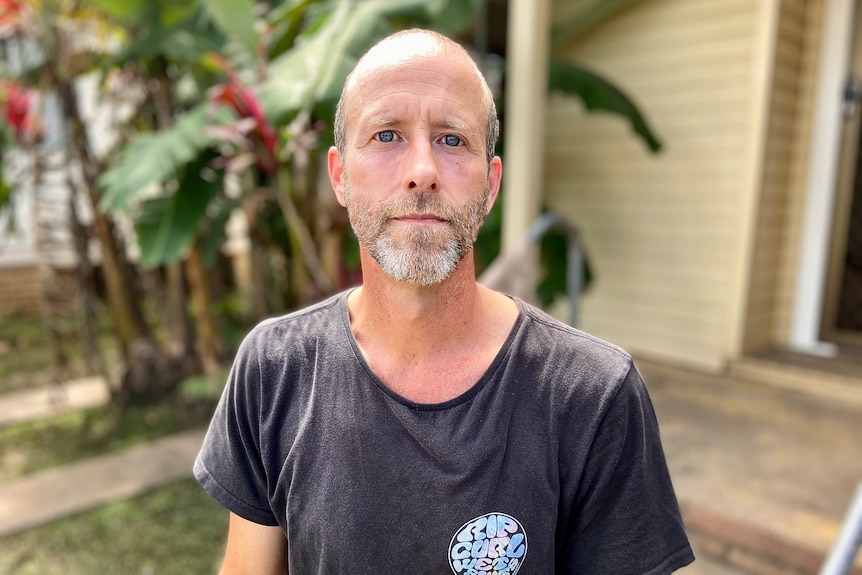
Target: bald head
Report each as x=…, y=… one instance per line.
x=398, y=50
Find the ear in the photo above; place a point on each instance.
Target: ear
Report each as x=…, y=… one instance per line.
x=336, y=174
x=495, y=177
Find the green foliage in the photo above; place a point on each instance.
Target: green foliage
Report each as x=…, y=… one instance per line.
x=187, y=41
x=236, y=19
x=205, y=387
x=455, y=17
x=313, y=71
x=157, y=157
x=150, y=13
x=598, y=94
x=166, y=225
x=554, y=250
x=5, y=186
x=5, y=189
x=284, y=23
x=23, y=348
x=588, y=19
x=27, y=358
x=311, y=75
x=488, y=243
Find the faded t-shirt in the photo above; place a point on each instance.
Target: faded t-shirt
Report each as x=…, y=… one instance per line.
x=550, y=463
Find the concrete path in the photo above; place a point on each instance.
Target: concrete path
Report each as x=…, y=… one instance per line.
x=26, y=405
x=56, y=493
x=764, y=473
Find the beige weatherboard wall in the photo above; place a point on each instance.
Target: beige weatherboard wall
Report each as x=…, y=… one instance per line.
x=692, y=249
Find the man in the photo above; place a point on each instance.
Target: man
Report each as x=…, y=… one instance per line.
x=423, y=423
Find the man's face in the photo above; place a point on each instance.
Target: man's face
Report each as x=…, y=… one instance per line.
x=415, y=177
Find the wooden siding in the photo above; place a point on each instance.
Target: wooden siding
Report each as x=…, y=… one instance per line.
x=19, y=291
x=782, y=190
x=664, y=233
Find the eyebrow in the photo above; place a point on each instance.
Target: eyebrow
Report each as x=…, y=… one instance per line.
x=384, y=122
x=452, y=124
x=446, y=124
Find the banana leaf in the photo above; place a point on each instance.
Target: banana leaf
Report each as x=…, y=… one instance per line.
x=153, y=13
x=235, y=18
x=599, y=95
x=157, y=157
x=586, y=20
x=167, y=225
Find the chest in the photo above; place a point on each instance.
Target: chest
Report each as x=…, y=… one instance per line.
x=380, y=484
x=432, y=383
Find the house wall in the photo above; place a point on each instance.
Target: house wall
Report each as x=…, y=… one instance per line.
x=668, y=235
x=19, y=290
x=19, y=277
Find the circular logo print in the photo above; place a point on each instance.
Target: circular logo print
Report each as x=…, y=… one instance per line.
x=491, y=544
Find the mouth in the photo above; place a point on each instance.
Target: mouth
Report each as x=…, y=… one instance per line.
x=420, y=219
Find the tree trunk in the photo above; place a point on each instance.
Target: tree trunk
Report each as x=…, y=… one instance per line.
x=210, y=346
x=301, y=241
x=148, y=372
x=85, y=277
x=125, y=311
x=179, y=321
x=260, y=284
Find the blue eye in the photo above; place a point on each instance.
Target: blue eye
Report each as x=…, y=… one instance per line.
x=451, y=140
x=386, y=136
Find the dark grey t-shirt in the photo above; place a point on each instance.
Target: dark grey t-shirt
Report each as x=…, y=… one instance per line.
x=550, y=463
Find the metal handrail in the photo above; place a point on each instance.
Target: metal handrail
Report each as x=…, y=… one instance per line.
x=840, y=559
x=574, y=258
x=544, y=224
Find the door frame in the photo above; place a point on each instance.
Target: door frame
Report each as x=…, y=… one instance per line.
x=848, y=172
x=811, y=273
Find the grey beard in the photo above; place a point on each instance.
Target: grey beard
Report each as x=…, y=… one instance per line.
x=422, y=257
x=423, y=265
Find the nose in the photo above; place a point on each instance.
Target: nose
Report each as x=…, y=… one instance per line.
x=421, y=173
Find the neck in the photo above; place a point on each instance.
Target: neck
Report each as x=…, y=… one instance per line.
x=416, y=320
x=429, y=344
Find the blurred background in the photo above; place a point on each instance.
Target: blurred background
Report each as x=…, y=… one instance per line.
x=680, y=178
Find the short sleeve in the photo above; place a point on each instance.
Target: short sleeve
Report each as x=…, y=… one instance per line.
x=229, y=466
x=625, y=518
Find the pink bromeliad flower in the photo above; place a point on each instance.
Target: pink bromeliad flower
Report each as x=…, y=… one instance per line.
x=15, y=107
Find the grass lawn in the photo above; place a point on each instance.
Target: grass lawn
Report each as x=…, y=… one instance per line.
x=35, y=446
x=177, y=530
x=25, y=355
x=26, y=358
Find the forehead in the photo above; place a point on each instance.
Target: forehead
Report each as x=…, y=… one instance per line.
x=436, y=86
x=400, y=50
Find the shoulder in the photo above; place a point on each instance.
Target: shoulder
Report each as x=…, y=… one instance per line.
x=307, y=323
x=293, y=339
x=572, y=372
x=549, y=338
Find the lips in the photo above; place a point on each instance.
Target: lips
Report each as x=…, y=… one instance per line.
x=420, y=218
